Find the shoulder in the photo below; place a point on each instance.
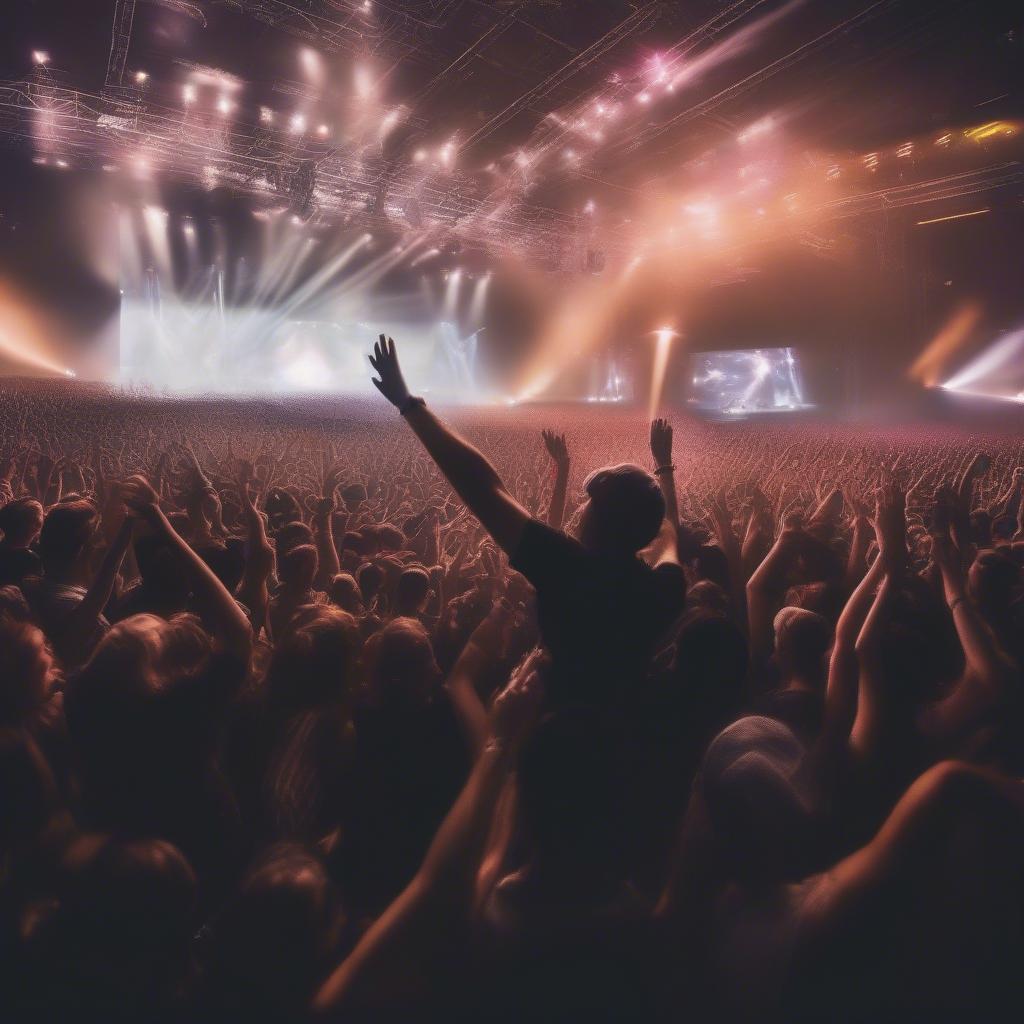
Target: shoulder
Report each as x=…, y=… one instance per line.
x=540, y=546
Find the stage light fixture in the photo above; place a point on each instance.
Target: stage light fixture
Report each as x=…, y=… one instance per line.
x=141, y=77
x=297, y=123
x=40, y=57
x=224, y=105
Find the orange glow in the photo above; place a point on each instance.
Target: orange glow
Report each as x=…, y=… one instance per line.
x=576, y=325
x=22, y=335
x=929, y=367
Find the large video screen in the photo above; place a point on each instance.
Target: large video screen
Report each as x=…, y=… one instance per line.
x=742, y=382
x=188, y=349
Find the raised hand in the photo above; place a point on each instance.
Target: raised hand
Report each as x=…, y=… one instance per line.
x=556, y=446
x=327, y=503
x=824, y=518
x=519, y=705
x=720, y=517
x=391, y=383
x=139, y=498
x=891, y=526
x=945, y=555
x=245, y=475
x=661, y=442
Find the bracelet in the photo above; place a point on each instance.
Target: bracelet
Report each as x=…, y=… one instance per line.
x=957, y=601
x=412, y=402
x=664, y=469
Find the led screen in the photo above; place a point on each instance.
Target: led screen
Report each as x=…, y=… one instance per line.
x=745, y=381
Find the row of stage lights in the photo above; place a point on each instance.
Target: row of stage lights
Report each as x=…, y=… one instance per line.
x=159, y=215
x=297, y=124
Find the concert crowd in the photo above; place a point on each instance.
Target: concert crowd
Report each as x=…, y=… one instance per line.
x=326, y=707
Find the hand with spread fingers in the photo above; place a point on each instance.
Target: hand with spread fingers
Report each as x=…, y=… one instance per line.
x=391, y=384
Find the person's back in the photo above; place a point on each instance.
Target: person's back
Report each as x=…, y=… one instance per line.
x=20, y=523
x=145, y=715
x=566, y=934
x=297, y=570
x=802, y=642
x=410, y=761
x=299, y=759
x=119, y=940
x=601, y=608
x=271, y=942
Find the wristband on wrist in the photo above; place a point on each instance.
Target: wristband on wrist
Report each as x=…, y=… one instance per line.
x=412, y=402
x=957, y=601
x=670, y=468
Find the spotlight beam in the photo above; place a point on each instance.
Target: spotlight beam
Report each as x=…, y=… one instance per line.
x=23, y=354
x=663, y=348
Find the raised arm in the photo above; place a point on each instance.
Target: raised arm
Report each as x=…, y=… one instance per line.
x=891, y=527
x=857, y=561
x=764, y=588
x=987, y=673
x=323, y=529
x=841, y=693
x=664, y=470
x=721, y=520
x=475, y=480
x=80, y=626
x=389, y=959
x=559, y=452
x=221, y=613
x=1009, y=502
x=253, y=591
x=480, y=650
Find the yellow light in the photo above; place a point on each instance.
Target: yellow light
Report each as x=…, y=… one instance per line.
x=985, y=131
x=954, y=216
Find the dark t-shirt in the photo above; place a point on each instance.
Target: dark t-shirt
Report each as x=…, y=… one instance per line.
x=600, y=616
x=409, y=766
x=16, y=564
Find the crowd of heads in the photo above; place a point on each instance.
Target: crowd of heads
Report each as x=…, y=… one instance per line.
x=284, y=729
